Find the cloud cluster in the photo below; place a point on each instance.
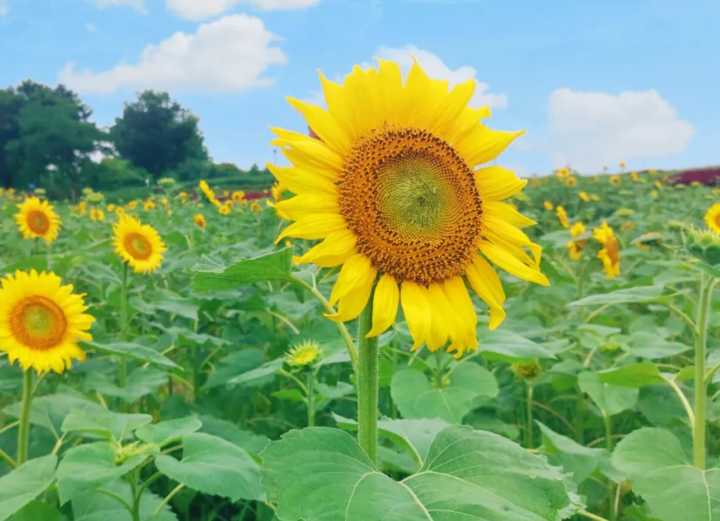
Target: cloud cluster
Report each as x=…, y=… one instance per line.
x=227, y=55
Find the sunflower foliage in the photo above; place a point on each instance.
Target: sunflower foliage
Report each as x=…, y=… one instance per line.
x=186, y=363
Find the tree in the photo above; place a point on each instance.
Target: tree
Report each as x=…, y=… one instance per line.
x=157, y=134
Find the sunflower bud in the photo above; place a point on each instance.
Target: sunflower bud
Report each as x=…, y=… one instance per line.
x=527, y=370
x=166, y=182
x=704, y=245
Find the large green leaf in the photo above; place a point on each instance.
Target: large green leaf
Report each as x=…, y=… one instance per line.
x=37, y=511
x=271, y=266
x=98, y=506
x=25, y=483
x=133, y=351
x=140, y=382
x=250, y=441
x=50, y=411
x=660, y=472
x=321, y=474
x=611, y=399
x=648, y=345
x=259, y=376
x=93, y=465
x=168, y=431
x=622, y=296
x=104, y=423
x=573, y=457
x=633, y=375
x=234, y=364
x=510, y=347
x=212, y=465
x=416, y=397
x=164, y=300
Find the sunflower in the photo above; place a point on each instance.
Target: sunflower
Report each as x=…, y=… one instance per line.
x=584, y=196
x=110, y=208
x=595, y=197
x=615, y=180
x=391, y=187
x=138, y=244
x=526, y=370
x=277, y=191
x=653, y=171
x=576, y=247
x=305, y=353
x=571, y=182
x=610, y=253
x=149, y=205
x=634, y=176
x=41, y=321
x=132, y=205
x=238, y=196
x=548, y=205
x=562, y=216
x=96, y=214
x=712, y=218
x=255, y=207
x=38, y=219
x=224, y=209
x=199, y=220
x=621, y=164
x=562, y=173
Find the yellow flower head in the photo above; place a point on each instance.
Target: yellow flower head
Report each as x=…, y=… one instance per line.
x=653, y=171
x=595, y=197
x=97, y=214
x=41, y=321
x=622, y=164
x=584, y=196
x=199, y=220
x=111, y=208
x=149, y=205
x=225, y=209
x=393, y=193
x=610, y=253
x=255, y=207
x=548, y=205
x=658, y=185
x=615, y=180
x=634, y=176
x=712, y=218
x=571, y=182
x=562, y=173
x=37, y=219
x=576, y=247
x=138, y=244
x=238, y=196
x=647, y=239
x=562, y=216
x=303, y=354
x=132, y=205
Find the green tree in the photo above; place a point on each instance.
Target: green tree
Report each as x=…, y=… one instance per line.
x=157, y=134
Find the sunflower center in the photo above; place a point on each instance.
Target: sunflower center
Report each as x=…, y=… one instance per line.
x=412, y=202
x=138, y=246
x=38, y=323
x=613, y=250
x=38, y=222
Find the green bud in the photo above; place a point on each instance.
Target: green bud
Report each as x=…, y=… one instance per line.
x=704, y=245
x=166, y=182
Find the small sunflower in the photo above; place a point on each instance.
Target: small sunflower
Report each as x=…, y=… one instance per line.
x=576, y=247
x=634, y=176
x=653, y=171
x=571, y=182
x=238, y=196
x=621, y=164
x=610, y=253
x=110, y=208
x=138, y=244
x=712, y=218
x=527, y=370
x=277, y=191
x=548, y=205
x=132, y=205
x=199, y=221
x=562, y=173
x=303, y=354
x=37, y=219
x=584, y=196
x=41, y=321
x=562, y=216
x=96, y=214
x=615, y=180
x=399, y=190
x=149, y=205
x=224, y=209
x=256, y=207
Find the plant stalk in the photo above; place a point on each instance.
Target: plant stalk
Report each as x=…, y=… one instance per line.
x=529, y=434
x=367, y=385
x=24, y=430
x=310, y=392
x=703, y=311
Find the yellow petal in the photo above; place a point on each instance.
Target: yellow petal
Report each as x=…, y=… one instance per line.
x=339, y=106
x=460, y=301
x=495, y=183
x=352, y=304
x=453, y=105
x=507, y=213
x=421, y=97
x=487, y=285
x=324, y=125
x=499, y=231
x=466, y=123
x=300, y=181
x=418, y=314
x=390, y=88
x=317, y=226
x=353, y=274
x=302, y=206
x=361, y=93
x=307, y=152
x=482, y=145
x=511, y=264
x=385, y=305
x=444, y=320
x=336, y=249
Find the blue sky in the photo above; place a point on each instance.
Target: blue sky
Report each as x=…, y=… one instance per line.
x=592, y=82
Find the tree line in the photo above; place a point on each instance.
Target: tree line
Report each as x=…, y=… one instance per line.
x=48, y=141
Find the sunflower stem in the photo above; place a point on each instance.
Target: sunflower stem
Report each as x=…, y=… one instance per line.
x=367, y=384
x=122, y=368
x=704, y=304
x=529, y=433
x=24, y=430
x=310, y=393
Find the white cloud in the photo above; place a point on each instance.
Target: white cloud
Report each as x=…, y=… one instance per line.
x=4, y=10
x=315, y=97
x=137, y=4
x=436, y=69
x=90, y=27
x=202, y=9
x=589, y=130
x=227, y=55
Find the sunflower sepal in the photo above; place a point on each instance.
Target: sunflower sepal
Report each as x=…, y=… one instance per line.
x=704, y=245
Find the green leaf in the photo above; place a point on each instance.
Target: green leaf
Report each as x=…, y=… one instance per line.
x=25, y=483
x=573, y=457
x=36, y=262
x=50, y=411
x=633, y=375
x=660, y=472
x=37, y=511
x=271, y=266
x=236, y=363
x=510, y=347
x=250, y=441
x=140, y=382
x=212, y=465
x=97, y=506
x=167, y=432
x=86, y=467
x=417, y=398
x=292, y=395
x=104, y=423
x=133, y=351
x=260, y=376
x=648, y=345
x=622, y=296
x=321, y=474
x=611, y=399
x=164, y=300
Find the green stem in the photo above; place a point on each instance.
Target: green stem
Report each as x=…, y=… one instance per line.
x=24, y=431
x=367, y=385
x=122, y=368
x=609, y=445
x=310, y=390
x=195, y=372
x=579, y=418
x=529, y=434
x=168, y=498
x=703, y=310
x=589, y=515
x=136, y=497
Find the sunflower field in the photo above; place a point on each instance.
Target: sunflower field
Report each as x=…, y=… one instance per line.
x=394, y=331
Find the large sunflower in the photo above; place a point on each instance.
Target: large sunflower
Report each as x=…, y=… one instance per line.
x=712, y=218
x=41, y=321
x=610, y=252
x=138, y=244
x=391, y=185
x=37, y=218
